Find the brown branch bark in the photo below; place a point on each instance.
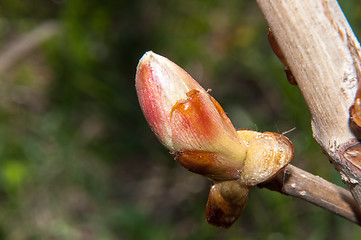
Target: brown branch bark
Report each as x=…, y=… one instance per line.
x=316, y=190
x=324, y=56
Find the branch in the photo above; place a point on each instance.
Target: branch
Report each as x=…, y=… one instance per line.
x=298, y=183
x=324, y=56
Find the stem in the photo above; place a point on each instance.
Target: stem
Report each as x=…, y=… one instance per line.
x=298, y=183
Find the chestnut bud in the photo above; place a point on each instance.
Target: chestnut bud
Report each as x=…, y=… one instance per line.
x=196, y=130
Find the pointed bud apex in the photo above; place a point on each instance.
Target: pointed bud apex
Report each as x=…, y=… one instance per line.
x=160, y=85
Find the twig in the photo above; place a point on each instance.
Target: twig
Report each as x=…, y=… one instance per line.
x=298, y=183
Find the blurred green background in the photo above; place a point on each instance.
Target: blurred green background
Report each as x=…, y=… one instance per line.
x=77, y=158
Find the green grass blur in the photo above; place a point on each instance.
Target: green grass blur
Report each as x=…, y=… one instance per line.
x=77, y=158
